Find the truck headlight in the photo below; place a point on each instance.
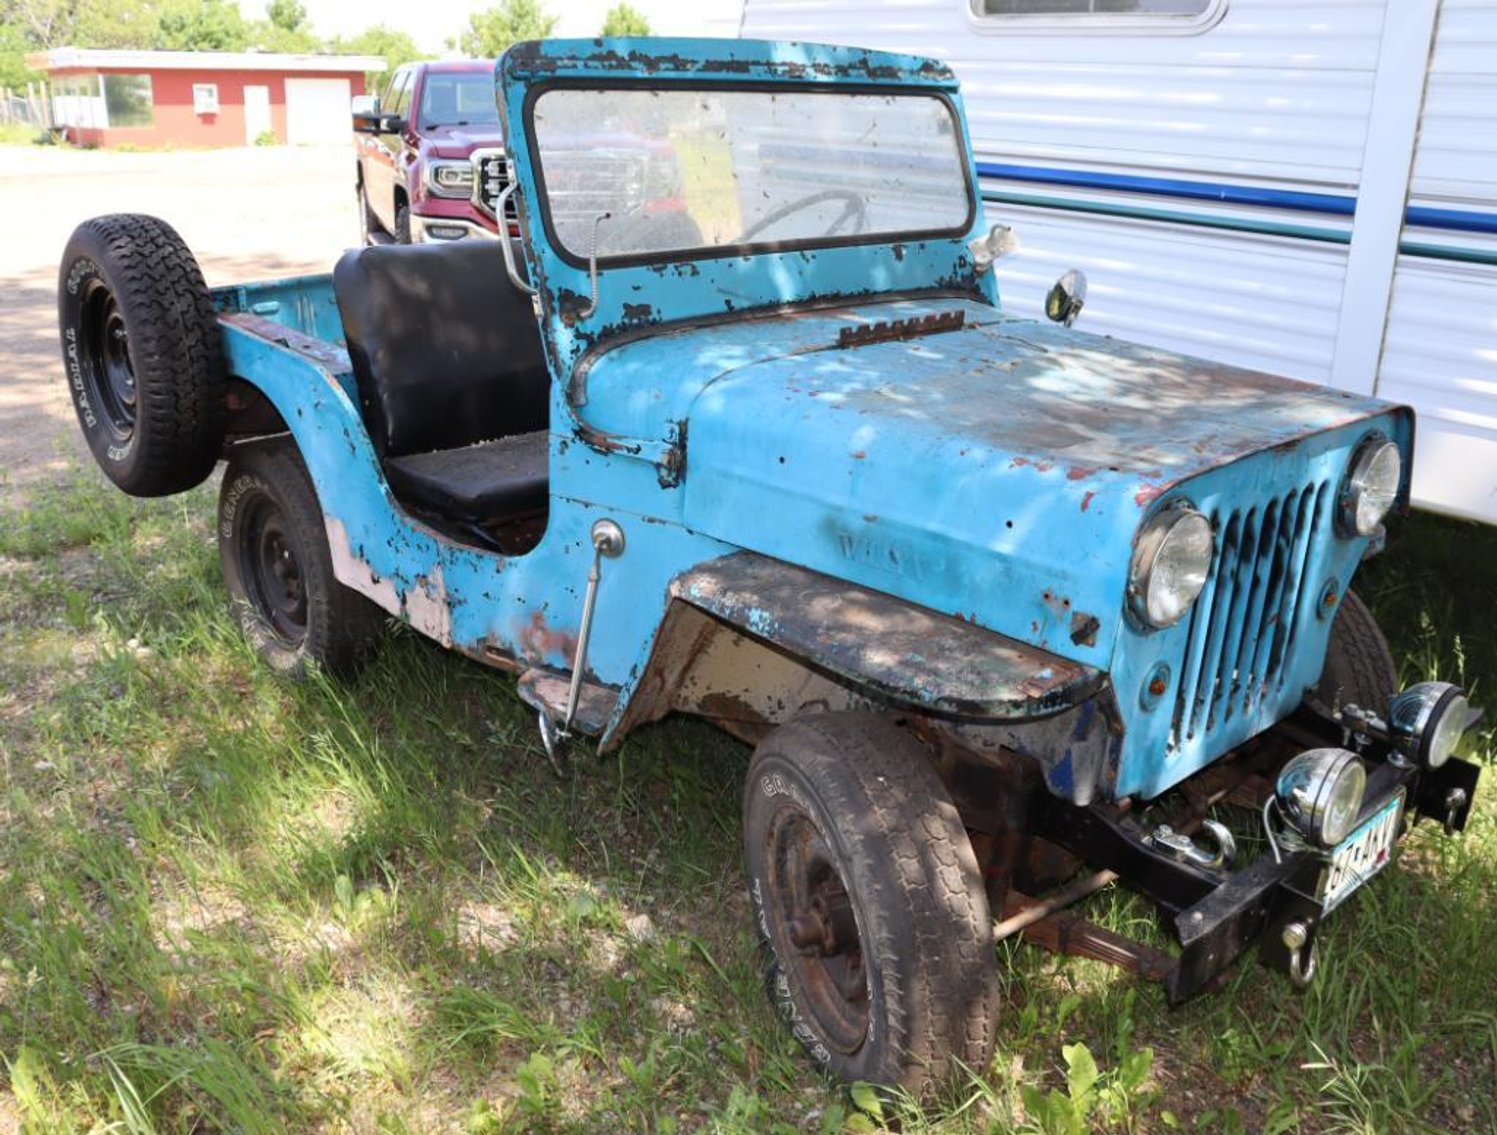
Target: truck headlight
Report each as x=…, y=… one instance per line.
x=1320, y=793
x=1170, y=565
x=448, y=178
x=1426, y=721
x=1371, y=486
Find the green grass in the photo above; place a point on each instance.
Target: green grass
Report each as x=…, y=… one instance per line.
x=20, y=134
x=230, y=904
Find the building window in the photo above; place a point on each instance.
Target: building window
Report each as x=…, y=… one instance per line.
x=1071, y=14
x=78, y=101
x=127, y=98
x=205, y=98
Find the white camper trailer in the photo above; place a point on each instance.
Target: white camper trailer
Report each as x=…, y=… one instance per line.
x=1304, y=186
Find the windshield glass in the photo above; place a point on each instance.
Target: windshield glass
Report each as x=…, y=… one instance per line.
x=706, y=169
x=464, y=99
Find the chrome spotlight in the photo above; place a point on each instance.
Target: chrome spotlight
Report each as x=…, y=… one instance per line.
x=1426, y=721
x=1320, y=793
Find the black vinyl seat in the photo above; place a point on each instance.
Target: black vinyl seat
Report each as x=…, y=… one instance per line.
x=452, y=381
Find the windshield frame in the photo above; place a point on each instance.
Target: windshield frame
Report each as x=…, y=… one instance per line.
x=542, y=207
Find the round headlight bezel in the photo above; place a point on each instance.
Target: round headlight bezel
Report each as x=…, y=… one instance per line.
x=1416, y=717
x=1369, y=458
x=1177, y=522
x=1307, y=789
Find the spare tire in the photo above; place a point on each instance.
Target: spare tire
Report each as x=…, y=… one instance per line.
x=142, y=355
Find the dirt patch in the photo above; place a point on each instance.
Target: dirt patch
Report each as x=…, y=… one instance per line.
x=251, y=213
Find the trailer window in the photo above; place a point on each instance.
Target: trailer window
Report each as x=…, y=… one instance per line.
x=1182, y=15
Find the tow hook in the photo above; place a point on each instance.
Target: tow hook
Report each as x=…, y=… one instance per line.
x=608, y=540
x=1455, y=800
x=1301, y=962
x=1185, y=849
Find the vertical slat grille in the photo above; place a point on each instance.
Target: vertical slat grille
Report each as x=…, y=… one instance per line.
x=1243, y=625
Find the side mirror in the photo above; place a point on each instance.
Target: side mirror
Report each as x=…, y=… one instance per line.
x=365, y=114
x=1067, y=298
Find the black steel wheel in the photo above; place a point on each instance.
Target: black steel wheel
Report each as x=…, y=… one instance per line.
x=279, y=572
x=1359, y=667
x=141, y=353
x=869, y=903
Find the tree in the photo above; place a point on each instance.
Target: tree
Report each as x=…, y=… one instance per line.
x=202, y=25
x=625, y=19
x=289, y=15
x=395, y=47
x=492, y=31
x=13, y=49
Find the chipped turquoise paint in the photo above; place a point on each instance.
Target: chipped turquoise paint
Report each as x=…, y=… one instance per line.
x=998, y=473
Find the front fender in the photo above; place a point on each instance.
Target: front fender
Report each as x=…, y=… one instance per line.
x=765, y=638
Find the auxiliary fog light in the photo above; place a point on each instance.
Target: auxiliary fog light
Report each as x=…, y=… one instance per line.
x=1320, y=793
x=1426, y=721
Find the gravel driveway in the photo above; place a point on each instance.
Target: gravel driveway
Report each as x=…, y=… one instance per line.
x=247, y=213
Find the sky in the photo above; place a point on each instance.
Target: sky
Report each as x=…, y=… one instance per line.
x=431, y=22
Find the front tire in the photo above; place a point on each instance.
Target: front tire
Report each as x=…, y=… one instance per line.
x=1359, y=667
x=279, y=572
x=142, y=353
x=869, y=903
x=402, y=223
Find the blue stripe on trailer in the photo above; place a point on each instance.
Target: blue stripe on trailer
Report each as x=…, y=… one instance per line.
x=1451, y=220
x=1171, y=187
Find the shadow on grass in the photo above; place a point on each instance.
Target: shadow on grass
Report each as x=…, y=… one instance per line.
x=373, y=905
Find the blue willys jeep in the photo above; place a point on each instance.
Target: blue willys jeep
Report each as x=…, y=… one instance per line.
x=737, y=427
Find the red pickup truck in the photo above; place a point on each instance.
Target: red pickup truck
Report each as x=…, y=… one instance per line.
x=431, y=162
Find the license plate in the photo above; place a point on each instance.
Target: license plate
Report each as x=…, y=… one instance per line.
x=1361, y=855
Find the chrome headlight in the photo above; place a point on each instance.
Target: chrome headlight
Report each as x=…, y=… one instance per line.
x=1371, y=486
x=1426, y=721
x=448, y=178
x=1170, y=565
x=1320, y=793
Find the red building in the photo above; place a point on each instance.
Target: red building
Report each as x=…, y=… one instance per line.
x=201, y=98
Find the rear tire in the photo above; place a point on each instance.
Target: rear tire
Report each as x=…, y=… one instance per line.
x=142, y=355
x=869, y=904
x=279, y=572
x=1359, y=667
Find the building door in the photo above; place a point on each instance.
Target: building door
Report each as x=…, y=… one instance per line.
x=256, y=113
x=317, y=111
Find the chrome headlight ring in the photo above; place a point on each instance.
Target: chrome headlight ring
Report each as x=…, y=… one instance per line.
x=1372, y=482
x=1171, y=563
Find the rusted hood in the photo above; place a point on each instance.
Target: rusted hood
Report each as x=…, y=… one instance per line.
x=998, y=472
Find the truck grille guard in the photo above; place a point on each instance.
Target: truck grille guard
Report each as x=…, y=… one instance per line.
x=490, y=178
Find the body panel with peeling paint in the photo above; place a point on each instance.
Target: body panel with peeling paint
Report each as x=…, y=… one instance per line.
x=995, y=474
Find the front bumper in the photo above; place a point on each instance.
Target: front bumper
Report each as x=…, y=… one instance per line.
x=1216, y=915
x=444, y=230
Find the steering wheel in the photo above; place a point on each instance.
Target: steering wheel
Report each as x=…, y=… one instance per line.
x=854, y=209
